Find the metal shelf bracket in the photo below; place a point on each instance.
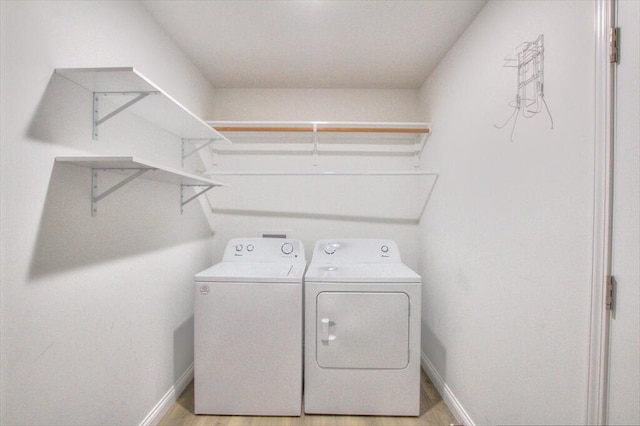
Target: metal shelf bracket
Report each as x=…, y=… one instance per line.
x=422, y=142
x=95, y=197
x=184, y=202
x=97, y=121
x=314, y=161
x=205, y=143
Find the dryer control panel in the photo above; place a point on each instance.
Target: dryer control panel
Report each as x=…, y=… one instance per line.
x=263, y=250
x=356, y=250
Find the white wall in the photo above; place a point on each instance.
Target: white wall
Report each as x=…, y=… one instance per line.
x=506, y=237
x=96, y=313
x=315, y=105
x=319, y=207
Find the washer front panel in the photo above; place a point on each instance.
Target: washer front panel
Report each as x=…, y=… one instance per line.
x=248, y=348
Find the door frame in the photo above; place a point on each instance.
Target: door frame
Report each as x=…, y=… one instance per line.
x=602, y=214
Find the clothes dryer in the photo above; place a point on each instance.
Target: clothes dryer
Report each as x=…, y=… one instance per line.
x=362, y=330
x=248, y=330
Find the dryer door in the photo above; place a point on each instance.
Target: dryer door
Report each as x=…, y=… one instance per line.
x=362, y=330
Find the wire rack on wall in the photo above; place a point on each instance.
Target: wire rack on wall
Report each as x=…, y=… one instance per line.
x=528, y=58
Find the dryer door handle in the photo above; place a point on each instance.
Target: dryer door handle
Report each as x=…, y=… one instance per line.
x=325, y=323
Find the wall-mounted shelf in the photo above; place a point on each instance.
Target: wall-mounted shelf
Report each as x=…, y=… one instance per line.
x=127, y=89
x=134, y=168
x=375, y=194
x=320, y=127
x=329, y=138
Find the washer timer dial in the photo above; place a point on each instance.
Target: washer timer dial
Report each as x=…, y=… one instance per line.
x=287, y=248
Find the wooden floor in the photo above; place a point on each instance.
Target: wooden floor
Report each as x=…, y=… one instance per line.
x=433, y=411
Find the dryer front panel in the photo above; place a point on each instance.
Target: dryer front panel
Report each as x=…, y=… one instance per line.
x=362, y=330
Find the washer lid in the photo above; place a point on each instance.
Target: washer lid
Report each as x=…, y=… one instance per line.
x=267, y=272
x=361, y=273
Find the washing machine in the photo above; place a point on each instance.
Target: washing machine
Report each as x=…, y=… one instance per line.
x=362, y=330
x=248, y=330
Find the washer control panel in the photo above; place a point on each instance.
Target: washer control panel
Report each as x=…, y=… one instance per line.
x=264, y=250
x=356, y=250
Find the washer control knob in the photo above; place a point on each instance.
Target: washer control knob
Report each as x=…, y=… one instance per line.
x=238, y=247
x=384, y=249
x=250, y=247
x=330, y=248
x=287, y=248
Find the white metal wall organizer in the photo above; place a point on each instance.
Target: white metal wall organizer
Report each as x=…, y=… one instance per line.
x=528, y=59
x=128, y=89
x=323, y=138
x=134, y=168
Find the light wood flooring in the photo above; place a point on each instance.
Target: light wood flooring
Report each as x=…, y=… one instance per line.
x=433, y=411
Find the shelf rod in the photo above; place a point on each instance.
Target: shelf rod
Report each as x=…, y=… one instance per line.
x=322, y=129
x=262, y=129
x=371, y=130
x=328, y=173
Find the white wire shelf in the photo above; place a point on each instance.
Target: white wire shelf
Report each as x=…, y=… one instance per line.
x=384, y=196
x=321, y=127
x=323, y=138
x=318, y=173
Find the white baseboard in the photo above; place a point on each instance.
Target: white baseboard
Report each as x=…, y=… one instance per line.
x=161, y=408
x=447, y=395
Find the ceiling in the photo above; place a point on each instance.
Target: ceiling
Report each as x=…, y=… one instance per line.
x=315, y=43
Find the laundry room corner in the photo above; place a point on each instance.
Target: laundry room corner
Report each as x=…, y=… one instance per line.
x=319, y=212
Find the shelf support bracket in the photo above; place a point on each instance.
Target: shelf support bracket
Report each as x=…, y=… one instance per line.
x=96, y=106
x=95, y=197
x=422, y=142
x=314, y=161
x=184, y=202
x=206, y=143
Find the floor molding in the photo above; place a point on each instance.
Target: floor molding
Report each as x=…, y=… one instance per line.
x=161, y=408
x=447, y=395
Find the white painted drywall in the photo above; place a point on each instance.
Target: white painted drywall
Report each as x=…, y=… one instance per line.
x=96, y=313
x=311, y=208
x=315, y=105
x=624, y=380
x=506, y=237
